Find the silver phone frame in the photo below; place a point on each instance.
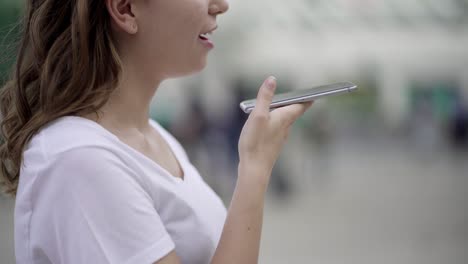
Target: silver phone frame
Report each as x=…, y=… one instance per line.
x=343, y=87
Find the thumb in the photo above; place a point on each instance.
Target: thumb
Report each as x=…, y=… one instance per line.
x=265, y=96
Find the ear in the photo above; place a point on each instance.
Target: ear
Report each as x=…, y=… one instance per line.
x=122, y=15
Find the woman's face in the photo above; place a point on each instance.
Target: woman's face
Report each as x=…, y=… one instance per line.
x=168, y=36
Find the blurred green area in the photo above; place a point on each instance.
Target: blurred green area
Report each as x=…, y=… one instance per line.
x=10, y=12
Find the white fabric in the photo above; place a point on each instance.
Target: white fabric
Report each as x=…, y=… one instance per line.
x=86, y=197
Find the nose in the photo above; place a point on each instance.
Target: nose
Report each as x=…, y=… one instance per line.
x=218, y=7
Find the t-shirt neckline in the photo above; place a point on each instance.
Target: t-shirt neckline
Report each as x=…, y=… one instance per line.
x=144, y=157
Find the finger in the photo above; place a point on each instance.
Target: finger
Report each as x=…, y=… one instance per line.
x=265, y=96
x=308, y=105
x=289, y=114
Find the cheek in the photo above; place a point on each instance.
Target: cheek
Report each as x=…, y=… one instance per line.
x=183, y=49
x=162, y=43
x=175, y=36
x=172, y=40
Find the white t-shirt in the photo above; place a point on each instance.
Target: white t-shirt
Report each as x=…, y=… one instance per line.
x=84, y=196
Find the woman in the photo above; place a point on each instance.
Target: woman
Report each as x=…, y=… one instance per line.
x=97, y=181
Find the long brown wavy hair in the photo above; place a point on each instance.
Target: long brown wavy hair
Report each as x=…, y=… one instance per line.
x=67, y=64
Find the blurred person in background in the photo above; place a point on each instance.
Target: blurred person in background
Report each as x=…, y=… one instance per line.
x=424, y=125
x=459, y=125
x=96, y=180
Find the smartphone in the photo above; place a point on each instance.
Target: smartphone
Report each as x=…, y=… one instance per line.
x=302, y=96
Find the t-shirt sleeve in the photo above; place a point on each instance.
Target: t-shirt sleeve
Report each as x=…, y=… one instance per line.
x=99, y=211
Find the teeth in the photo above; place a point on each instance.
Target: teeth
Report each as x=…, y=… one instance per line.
x=204, y=35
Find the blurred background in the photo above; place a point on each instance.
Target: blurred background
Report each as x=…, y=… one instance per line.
x=378, y=176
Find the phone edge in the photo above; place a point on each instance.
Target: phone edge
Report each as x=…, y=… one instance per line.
x=248, y=109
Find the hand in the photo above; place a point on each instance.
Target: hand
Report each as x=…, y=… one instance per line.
x=265, y=132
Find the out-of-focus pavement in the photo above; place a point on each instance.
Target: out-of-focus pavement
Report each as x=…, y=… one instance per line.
x=381, y=203
x=378, y=202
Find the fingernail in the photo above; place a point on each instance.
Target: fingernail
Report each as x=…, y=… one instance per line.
x=271, y=82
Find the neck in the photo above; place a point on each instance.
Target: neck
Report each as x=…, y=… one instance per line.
x=128, y=107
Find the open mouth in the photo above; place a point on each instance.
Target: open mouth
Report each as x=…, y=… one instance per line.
x=203, y=37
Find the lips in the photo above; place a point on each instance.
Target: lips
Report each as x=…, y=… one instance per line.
x=204, y=37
